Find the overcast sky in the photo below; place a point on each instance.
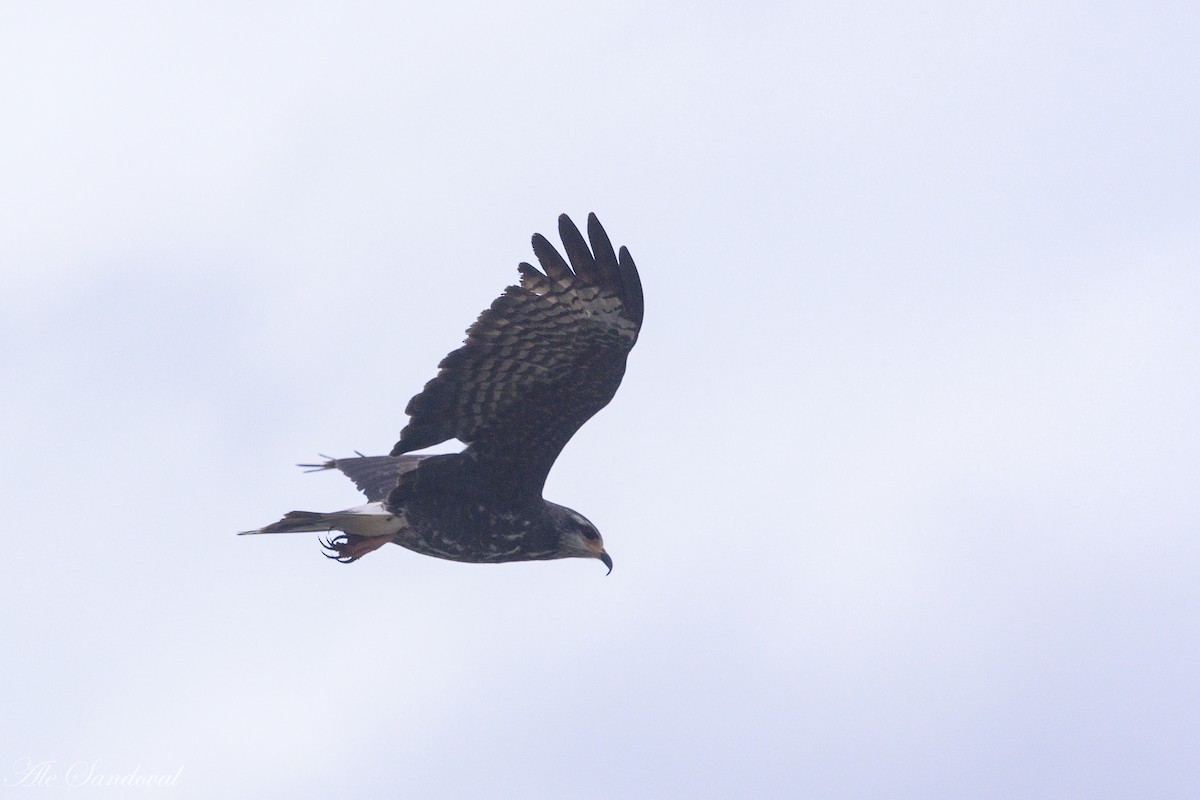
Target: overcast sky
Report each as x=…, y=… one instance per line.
x=901, y=485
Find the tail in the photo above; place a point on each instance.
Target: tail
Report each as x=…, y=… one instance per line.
x=364, y=528
x=299, y=522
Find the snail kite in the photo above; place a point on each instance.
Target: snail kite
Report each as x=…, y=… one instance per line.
x=547, y=355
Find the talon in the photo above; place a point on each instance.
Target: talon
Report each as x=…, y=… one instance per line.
x=348, y=547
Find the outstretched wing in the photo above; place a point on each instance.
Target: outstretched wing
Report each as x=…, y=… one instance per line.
x=539, y=363
x=375, y=476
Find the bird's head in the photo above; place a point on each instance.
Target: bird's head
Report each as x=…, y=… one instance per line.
x=577, y=537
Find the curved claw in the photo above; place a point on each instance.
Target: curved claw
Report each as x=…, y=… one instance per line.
x=334, y=545
x=345, y=548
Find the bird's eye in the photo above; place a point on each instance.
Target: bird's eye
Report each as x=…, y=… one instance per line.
x=590, y=534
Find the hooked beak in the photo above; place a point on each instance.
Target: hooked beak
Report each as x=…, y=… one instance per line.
x=607, y=561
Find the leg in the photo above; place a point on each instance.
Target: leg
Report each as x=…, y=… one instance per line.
x=349, y=547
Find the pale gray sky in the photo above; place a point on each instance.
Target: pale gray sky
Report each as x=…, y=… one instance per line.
x=900, y=486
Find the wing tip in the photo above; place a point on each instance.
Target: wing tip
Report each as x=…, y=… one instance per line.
x=603, y=266
x=553, y=264
x=632, y=284
x=579, y=253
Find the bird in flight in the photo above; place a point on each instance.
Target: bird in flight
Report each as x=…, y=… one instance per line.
x=547, y=355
